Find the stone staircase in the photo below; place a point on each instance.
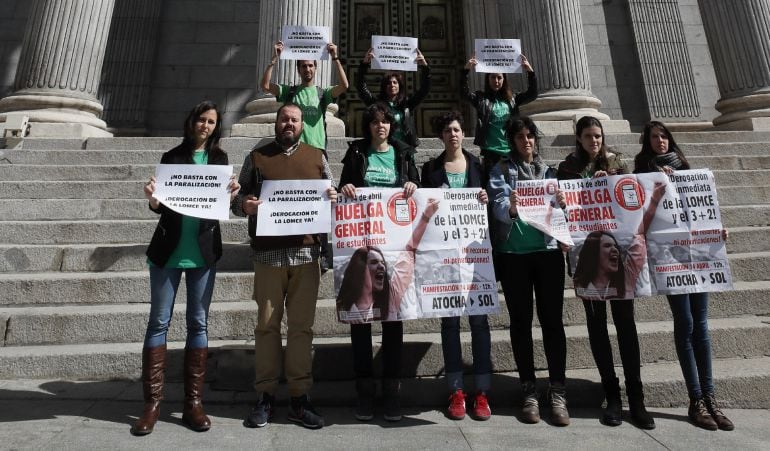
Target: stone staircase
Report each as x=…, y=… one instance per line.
x=74, y=287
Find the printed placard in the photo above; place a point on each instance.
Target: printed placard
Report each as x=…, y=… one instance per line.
x=539, y=208
x=498, y=55
x=425, y=256
x=394, y=53
x=294, y=207
x=197, y=190
x=303, y=42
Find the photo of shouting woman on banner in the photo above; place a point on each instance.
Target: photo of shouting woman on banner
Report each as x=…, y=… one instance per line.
x=368, y=291
x=604, y=269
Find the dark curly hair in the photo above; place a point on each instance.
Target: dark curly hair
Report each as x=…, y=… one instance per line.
x=374, y=112
x=440, y=122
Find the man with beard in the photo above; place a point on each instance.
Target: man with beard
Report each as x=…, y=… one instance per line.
x=312, y=99
x=286, y=273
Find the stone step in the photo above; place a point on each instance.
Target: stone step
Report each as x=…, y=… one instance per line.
x=112, y=209
x=741, y=384
x=747, y=337
x=84, y=323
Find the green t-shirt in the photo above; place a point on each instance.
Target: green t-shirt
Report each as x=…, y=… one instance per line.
x=313, y=133
x=381, y=170
x=188, y=253
x=496, y=141
x=523, y=239
x=456, y=179
x=397, y=128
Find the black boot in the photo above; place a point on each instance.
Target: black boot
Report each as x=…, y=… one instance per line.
x=391, y=393
x=639, y=415
x=366, y=389
x=613, y=413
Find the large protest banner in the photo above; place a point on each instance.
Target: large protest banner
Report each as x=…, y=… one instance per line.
x=302, y=42
x=425, y=256
x=197, y=190
x=498, y=55
x=626, y=227
x=394, y=53
x=539, y=208
x=294, y=207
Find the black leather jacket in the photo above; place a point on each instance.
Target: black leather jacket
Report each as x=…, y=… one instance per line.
x=168, y=231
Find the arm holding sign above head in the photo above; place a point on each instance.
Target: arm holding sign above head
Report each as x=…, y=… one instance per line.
x=343, y=85
x=530, y=94
x=265, y=84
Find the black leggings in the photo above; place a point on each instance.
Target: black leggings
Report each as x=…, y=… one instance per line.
x=628, y=340
x=543, y=273
x=392, y=344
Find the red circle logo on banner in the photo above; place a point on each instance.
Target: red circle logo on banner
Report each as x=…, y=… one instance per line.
x=401, y=210
x=629, y=194
x=551, y=187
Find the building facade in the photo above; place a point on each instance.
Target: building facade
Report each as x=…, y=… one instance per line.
x=135, y=67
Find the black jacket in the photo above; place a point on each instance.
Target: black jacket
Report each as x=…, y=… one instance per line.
x=434, y=175
x=483, y=104
x=354, y=163
x=167, y=233
x=406, y=105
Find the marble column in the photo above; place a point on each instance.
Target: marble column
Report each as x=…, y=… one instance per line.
x=60, y=67
x=552, y=38
x=275, y=16
x=127, y=72
x=738, y=34
x=660, y=42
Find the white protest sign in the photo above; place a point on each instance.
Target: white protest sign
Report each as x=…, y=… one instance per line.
x=394, y=53
x=538, y=208
x=304, y=42
x=294, y=207
x=422, y=257
x=197, y=190
x=498, y=55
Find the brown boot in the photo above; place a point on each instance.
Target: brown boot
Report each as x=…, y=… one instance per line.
x=194, y=375
x=153, y=365
x=720, y=418
x=530, y=410
x=700, y=416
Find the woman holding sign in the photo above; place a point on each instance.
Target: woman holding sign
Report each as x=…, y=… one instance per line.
x=690, y=310
x=393, y=93
x=494, y=105
x=190, y=246
x=378, y=161
x=458, y=168
x=591, y=158
x=530, y=260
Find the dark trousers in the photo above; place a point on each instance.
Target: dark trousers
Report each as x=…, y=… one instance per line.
x=392, y=344
x=628, y=340
x=481, y=347
x=543, y=274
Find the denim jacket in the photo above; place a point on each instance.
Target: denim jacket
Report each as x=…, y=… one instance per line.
x=502, y=180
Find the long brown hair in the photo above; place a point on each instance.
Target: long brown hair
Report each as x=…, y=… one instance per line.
x=601, y=161
x=352, y=286
x=645, y=160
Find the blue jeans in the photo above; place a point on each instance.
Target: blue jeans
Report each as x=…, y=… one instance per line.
x=692, y=340
x=164, y=283
x=481, y=346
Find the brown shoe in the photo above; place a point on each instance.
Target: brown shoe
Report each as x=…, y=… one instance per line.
x=530, y=411
x=153, y=365
x=700, y=416
x=194, y=376
x=557, y=397
x=722, y=421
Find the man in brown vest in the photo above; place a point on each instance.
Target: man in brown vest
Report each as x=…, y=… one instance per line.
x=286, y=273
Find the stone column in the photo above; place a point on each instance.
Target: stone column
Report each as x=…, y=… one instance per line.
x=552, y=38
x=126, y=77
x=669, y=83
x=275, y=15
x=481, y=20
x=60, y=67
x=738, y=34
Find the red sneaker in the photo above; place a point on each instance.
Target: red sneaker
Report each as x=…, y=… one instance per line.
x=481, y=410
x=456, y=409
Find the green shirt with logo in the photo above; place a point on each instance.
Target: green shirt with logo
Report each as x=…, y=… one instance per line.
x=381, y=170
x=313, y=133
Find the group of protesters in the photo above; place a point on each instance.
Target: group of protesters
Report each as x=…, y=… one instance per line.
x=287, y=272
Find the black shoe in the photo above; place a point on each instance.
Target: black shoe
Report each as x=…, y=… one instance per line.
x=613, y=413
x=639, y=415
x=302, y=412
x=262, y=412
x=391, y=389
x=366, y=389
